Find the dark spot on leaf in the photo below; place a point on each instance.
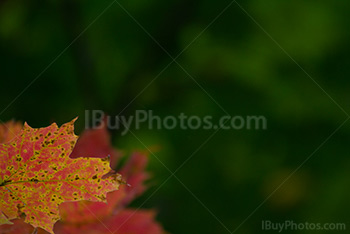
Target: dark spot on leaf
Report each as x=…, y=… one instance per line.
x=34, y=180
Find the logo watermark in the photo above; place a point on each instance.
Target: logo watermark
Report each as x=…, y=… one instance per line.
x=305, y=226
x=182, y=121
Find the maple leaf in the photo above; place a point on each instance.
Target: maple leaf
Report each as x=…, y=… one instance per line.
x=97, y=217
x=37, y=175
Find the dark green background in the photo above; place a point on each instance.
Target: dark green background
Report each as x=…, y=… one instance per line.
x=235, y=61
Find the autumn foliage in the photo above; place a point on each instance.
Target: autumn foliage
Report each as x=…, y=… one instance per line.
x=49, y=181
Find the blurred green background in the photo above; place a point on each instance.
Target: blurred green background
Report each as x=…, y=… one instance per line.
x=238, y=64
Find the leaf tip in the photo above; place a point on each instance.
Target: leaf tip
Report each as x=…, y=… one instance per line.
x=75, y=119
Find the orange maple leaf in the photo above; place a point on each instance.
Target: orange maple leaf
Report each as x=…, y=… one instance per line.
x=37, y=175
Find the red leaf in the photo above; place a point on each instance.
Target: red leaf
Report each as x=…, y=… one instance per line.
x=84, y=216
x=96, y=143
x=37, y=175
x=127, y=221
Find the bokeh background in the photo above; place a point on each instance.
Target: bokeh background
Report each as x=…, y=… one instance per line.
x=111, y=59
